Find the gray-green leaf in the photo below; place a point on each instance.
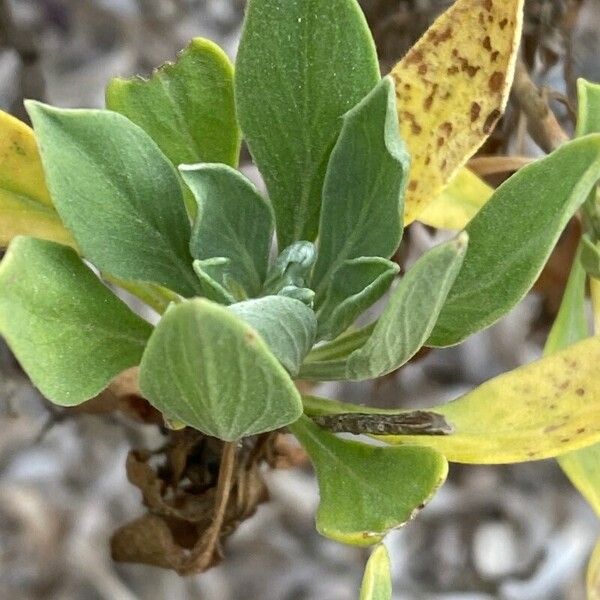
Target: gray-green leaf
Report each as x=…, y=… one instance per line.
x=301, y=65
x=367, y=490
x=356, y=285
x=363, y=193
x=234, y=221
x=411, y=313
x=186, y=107
x=205, y=367
x=118, y=195
x=70, y=333
x=512, y=236
x=210, y=272
x=287, y=326
x=291, y=268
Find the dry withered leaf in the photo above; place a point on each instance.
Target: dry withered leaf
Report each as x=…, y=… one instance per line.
x=186, y=523
x=451, y=88
x=122, y=395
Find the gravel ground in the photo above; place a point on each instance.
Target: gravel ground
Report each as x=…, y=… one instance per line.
x=513, y=533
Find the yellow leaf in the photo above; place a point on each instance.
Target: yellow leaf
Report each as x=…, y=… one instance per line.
x=451, y=88
x=541, y=410
x=25, y=204
x=593, y=575
x=458, y=203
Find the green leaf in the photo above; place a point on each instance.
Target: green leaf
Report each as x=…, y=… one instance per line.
x=377, y=580
x=512, y=236
x=570, y=325
x=356, y=285
x=210, y=274
x=402, y=329
x=234, y=221
x=118, y=195
x=205, y=367
x=590, y=255
x=301, y=65
x=367, y=490
x=186, y=107
x=364, y=186
x=68, y=331
x=341, y=347
x=291, y=268
x=411, y=313
x=287, y=326
x=588, y=118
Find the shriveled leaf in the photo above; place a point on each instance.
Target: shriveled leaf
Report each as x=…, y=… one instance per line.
x=593, y=575
x=458, y=203
x=208, y=369
x=588, y=118
x=452, y=87
x=234, y=221
x=186, y=107
x=25, y=204
x=367, y=490
x=300, y=66
x=68, y=331
x=356, y=285
x=512, y=236
x=541, y=410
x=363, y=192
x=287, y=326
x=117, y=194
x=410, y=313
x=377, y=580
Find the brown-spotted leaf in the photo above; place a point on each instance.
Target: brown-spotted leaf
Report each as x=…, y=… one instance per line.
x=452, y=87
x=540, y=410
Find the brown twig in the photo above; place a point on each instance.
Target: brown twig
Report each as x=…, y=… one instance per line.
x=493, y=165
x=542, y=124
x=204, y=554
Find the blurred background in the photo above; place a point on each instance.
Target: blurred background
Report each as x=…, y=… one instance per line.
x=513, y=532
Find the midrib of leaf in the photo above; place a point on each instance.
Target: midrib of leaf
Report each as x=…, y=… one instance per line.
x=342, y=255
x=36, y=204
x=183, y=126
x=146, y=224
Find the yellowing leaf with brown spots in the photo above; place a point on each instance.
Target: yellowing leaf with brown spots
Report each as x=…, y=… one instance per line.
x=25, y=205
x=458, y=203
x=540, y=410
x=452, y=87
